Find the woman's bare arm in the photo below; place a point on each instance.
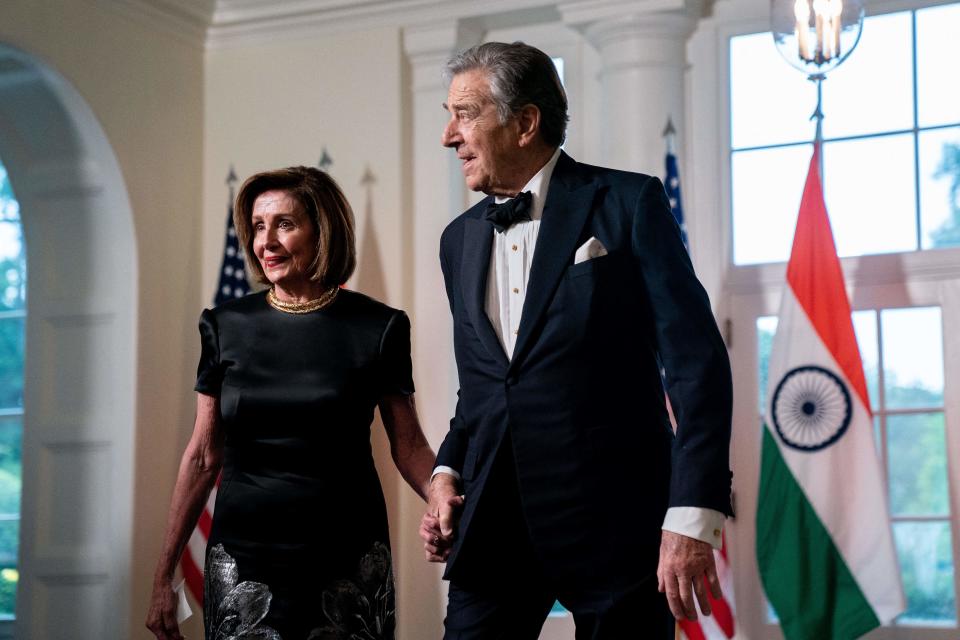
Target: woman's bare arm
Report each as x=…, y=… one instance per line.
x=199, y=468
x=408, y=446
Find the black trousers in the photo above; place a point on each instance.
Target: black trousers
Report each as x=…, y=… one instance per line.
x=510, y=592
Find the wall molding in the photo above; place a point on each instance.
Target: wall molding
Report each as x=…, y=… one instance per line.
x=216, y=24
x=185, y=20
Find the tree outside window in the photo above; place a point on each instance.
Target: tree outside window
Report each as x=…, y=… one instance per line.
x=12, y=323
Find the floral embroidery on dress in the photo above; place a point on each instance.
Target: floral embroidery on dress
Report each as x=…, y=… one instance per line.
x=361, y=608
x=233, y=611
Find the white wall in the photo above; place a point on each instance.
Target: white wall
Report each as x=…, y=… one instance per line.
x=144, y=86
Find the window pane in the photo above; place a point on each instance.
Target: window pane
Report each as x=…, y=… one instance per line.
x=865, y=218
x=11, y=435
x=940, y=187
x=912, y=357
x=770, y=103
x=11, y=431
x=12, y=296
x=877, y=435
x=865, y=326
x=11, y=363
x=13, y=287
x=558, y=63
x=872, y=91
x=766, y=329
x=9, y=533
x=12, y=256
x=916, y=449
x=938, y=50
x=767, y=187
x=926, y=564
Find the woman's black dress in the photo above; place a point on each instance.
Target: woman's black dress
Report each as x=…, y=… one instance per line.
x=299, y=546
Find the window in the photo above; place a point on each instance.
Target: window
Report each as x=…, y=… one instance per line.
x=902, y=352
x=891, y=140
x=12, y=319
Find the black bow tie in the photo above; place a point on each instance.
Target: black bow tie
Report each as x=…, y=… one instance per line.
x=504, y=215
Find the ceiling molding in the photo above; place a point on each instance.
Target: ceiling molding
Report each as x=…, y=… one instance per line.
x=590, y=11
x=240, y=22
x=185, y=20
x=218, y=24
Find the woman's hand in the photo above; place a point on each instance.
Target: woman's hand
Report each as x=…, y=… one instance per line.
x=162, y=616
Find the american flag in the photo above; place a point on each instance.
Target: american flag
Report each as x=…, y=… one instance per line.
x=233, y=284
x=233, y=275
x=672, y=185
x=719, y=625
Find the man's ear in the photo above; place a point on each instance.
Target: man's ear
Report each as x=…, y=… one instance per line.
x=528, y=124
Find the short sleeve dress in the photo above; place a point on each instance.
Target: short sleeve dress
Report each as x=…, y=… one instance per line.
x=298, y=548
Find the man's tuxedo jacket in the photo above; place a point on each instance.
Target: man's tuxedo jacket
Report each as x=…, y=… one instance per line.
x=597, y=462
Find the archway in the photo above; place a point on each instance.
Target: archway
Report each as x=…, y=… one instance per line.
x=79, y=394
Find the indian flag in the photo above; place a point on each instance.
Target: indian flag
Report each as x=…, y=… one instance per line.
x=824, y=545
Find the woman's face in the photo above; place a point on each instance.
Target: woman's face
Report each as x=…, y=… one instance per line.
x=284, y=239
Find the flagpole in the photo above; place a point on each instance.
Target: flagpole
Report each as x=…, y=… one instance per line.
x=818, y=78
x=669, y=133
x=231, y=178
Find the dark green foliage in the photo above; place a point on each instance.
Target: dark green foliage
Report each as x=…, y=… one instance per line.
x=948, y=234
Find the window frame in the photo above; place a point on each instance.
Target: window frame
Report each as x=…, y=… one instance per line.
x=709, y=164
x=741, y=293
x=915, y=131
x=745, y=450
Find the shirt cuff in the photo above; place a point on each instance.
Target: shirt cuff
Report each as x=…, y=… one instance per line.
x=445, y=469
x=699, y=523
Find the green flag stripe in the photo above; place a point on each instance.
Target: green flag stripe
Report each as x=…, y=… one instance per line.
x=804, y=576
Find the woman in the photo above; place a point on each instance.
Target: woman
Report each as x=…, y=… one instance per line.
x=286, y=387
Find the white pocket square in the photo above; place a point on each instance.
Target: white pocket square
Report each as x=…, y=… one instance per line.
x=589, y=250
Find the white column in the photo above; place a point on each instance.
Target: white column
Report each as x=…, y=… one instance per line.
x=438, y=196
x=642, y=74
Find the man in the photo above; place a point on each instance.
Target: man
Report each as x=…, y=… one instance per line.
x=560, y=466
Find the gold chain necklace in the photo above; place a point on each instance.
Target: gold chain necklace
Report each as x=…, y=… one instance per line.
x=302, y=307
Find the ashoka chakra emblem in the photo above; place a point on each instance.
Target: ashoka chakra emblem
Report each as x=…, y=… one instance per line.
x=811, y=408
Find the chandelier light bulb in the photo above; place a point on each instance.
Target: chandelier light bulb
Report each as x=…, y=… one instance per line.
x=815, y=36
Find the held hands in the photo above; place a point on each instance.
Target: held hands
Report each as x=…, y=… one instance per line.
x=162, y=616
x=686, y=568
x=438, y=525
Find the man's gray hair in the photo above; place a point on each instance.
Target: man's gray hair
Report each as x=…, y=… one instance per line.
x=519, y=75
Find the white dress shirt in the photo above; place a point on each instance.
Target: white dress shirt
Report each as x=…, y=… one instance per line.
x=510, y=260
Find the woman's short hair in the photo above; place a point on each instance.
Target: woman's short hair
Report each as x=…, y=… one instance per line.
x=519, y=75
x=325, y=205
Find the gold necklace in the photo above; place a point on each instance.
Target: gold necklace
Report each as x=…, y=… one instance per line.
x=302, y=307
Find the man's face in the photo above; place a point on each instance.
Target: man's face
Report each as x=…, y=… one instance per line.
x=486, y=148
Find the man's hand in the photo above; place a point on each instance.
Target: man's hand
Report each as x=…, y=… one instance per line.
x=435, y=546
x=687, y=567
x=438, y=526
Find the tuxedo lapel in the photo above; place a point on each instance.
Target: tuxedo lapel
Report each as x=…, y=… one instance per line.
x=569, y=199
x=477, y=241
